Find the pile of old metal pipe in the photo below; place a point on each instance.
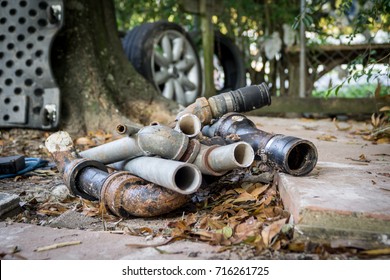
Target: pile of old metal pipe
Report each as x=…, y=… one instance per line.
x=159, y=166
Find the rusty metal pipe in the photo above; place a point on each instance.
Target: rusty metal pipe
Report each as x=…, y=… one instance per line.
x=218, y=160
x=290, y=154
x=122, y=193
x=181, y=177
x=150, y=140
x=241, y=100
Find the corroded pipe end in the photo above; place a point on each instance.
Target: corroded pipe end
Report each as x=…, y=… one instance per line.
x=293, y=155
x=124, y=195
x=189, y=124
x=200, y=108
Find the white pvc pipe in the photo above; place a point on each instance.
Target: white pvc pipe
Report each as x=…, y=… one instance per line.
x=184, y=178
x=189, y=124
x=231, y=156
x=114, y=151
x=217, y=160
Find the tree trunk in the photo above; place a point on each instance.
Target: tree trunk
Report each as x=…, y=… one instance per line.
x=99, y=87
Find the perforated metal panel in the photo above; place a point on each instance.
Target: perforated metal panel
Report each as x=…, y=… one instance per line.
x=29, y=96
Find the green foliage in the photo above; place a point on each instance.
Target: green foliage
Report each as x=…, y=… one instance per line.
x=249, y=21
x=130, y=13
x=354, y=91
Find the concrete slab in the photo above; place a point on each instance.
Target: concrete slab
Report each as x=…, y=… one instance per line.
x=95, y=245
x=8, y=204
x=346, y=198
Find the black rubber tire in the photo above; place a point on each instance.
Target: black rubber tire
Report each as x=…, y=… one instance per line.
x=230, y=58
x=138, y=45
x=232, y=62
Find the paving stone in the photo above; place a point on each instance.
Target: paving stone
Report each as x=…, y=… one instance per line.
x=95, y=245
x=8, y=204
x=74, y=220
x=345, y=200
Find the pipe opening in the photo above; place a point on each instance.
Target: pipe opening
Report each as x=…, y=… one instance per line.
x=243, y=154
x=121, y=129
x=302, y=157
x=187, y=179
x=189, y=125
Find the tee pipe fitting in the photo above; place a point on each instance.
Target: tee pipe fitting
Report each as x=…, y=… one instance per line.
x=241, y=100
x=290, y=154
x=150, y=140
x=121, y=193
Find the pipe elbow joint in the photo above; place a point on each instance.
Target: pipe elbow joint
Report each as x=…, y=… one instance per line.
x=126, y=195
x=162, y=141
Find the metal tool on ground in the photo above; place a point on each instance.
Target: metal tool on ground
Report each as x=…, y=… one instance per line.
x=18, y=165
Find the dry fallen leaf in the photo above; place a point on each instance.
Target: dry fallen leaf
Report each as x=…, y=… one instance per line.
x=327, y=137
x=271, y=231
x=340, y=127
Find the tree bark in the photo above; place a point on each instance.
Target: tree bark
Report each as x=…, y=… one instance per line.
x=99, y=87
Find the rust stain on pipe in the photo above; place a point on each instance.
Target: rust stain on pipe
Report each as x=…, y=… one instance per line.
x=124, y=194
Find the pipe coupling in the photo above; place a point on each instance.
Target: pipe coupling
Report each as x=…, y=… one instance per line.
x=72, y=171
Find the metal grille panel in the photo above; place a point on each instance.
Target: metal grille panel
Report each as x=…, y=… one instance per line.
x=29, y=96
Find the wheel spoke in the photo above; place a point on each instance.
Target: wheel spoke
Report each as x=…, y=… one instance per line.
x=168, y=89
x=186, y=83
x=179, y=93
x=167, y=47
x=178, y=46
x=161, y=76
x=160, y=59
x=185, y=64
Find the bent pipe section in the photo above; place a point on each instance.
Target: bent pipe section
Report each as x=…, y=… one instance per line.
x=122, y=193
x=290, y=154
x=241, y=100
x=150, y=140
x=181, y=177
x=218, y=160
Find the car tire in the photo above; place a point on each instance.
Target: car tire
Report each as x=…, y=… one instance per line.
x=228, y=62
x=164, y=54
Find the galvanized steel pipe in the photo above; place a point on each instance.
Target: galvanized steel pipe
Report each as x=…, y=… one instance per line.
x=150, y=140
